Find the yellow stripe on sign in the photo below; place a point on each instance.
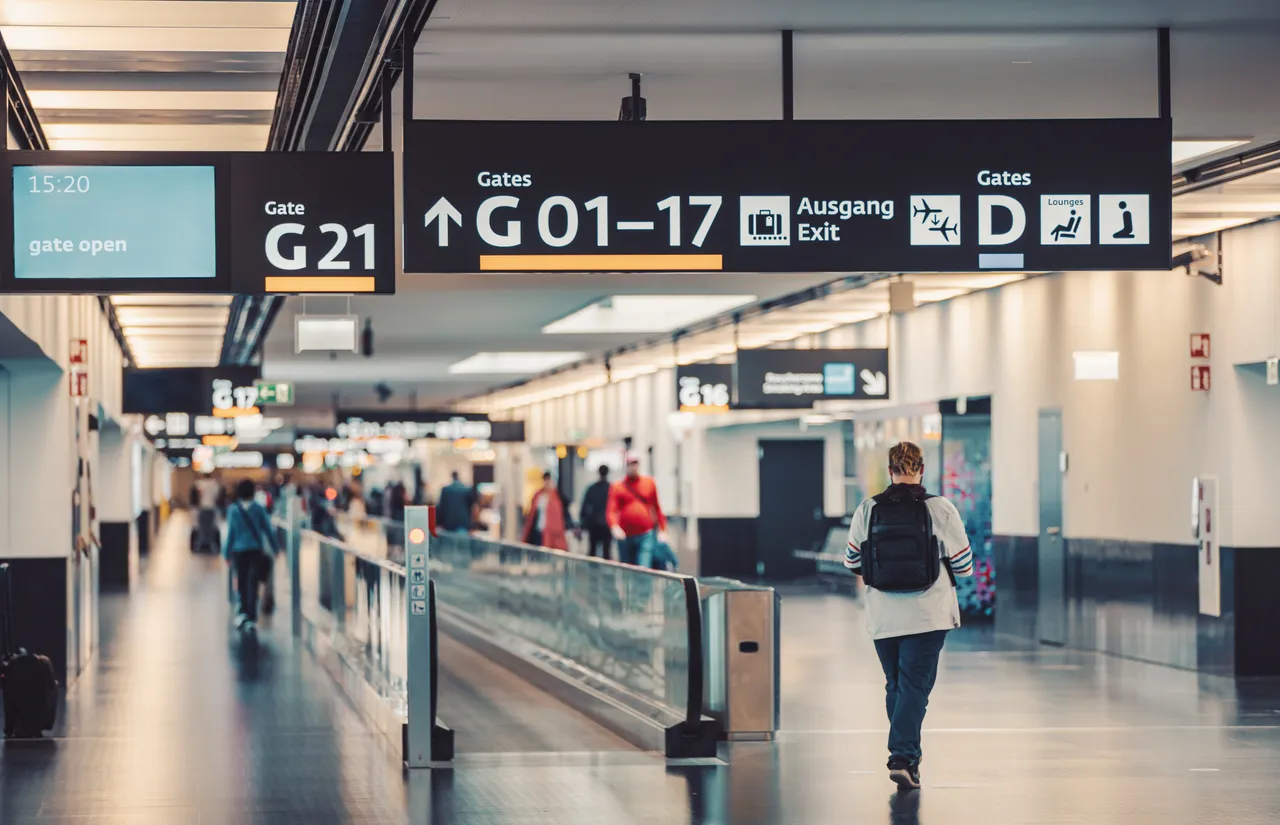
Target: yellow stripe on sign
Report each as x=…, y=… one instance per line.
x=314, y=284
x=600, y=263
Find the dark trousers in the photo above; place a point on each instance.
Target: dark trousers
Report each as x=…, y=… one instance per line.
x=249, y=565
x=599, y=541
x=910, y=668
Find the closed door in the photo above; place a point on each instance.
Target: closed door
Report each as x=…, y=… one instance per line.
x=1052, y=613
x=791, y=513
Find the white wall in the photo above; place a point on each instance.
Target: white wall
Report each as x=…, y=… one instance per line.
x=1134, y=445
x=42, y=419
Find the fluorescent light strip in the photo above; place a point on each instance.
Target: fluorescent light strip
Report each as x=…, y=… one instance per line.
x=120, y=99
x=644, y=313
x=513, y=363
x=145, y=39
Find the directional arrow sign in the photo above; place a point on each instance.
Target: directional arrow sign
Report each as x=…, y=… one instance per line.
x=775, y=379
x=442, y=211
x=874, y=383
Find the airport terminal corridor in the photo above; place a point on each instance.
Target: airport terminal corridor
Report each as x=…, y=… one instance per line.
x=639, y=412
x=181, y=721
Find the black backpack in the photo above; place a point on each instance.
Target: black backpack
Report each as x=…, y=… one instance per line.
x=901, y=553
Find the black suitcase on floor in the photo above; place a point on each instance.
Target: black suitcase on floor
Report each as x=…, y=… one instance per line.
x=26, y=679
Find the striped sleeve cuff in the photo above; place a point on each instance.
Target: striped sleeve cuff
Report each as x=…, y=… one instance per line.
x=962, y=562
x=852, y=558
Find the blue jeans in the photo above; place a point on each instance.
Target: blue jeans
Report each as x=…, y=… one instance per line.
x=910, y=668
x=638, y=550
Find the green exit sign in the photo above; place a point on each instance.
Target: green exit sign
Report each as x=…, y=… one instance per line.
x=274, y=393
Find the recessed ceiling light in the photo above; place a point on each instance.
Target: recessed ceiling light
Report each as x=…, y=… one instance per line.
x=644, y=313
x=513, y=363
x=1185, y=150
x=1022, y=62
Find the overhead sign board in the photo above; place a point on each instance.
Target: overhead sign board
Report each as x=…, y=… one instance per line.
x=704, y=388
x=787, y=196
x=796, y=378
x=190, y=390
x=206, y=222
x=414, y=424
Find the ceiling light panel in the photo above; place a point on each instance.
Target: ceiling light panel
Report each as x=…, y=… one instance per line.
x=1188, y=150
x=153, y=99
x=513, y=363
x=182, y=14
x=621, y=314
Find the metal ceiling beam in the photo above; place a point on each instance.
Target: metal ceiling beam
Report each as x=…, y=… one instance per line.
x=342, y=55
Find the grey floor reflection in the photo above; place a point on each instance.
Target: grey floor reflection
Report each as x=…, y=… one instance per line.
x=176, y=724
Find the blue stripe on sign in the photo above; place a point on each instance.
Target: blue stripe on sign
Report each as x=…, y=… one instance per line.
x=1000, y=260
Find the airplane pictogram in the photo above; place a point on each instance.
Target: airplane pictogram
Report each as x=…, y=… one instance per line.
x=924, y=211
x=945, y=228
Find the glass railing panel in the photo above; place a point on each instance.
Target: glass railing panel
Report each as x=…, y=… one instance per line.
x=624, y=623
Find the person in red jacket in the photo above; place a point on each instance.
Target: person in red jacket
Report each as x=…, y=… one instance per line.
x=546, y=522
x=635, y=516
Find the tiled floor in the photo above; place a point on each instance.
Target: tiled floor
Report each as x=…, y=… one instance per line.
x=179, y=724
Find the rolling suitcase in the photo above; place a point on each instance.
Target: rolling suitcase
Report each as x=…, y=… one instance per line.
x=26, y=679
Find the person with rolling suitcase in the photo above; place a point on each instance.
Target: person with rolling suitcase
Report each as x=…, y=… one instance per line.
x=26, y=679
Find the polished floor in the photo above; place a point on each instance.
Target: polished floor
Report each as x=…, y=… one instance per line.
x=179, y=723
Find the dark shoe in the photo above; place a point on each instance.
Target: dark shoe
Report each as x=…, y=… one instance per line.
x=904, y=773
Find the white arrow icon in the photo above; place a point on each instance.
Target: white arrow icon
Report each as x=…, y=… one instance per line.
x=443, y=212
x=874, y=383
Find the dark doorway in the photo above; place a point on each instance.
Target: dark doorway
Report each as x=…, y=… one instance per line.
x=791, y=507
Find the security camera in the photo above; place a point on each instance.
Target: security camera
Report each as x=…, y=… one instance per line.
x=1190, y=257
x=1201, y=259
x=366, y=338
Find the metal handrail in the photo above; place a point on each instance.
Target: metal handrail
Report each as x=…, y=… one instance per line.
x=385, y=564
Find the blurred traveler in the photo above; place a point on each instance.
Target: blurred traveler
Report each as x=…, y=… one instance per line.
x=250, y=546
x=320, y=508
x=356, y=508
x=594, y=516
x=395, y=501
x=205, y=494
x=455, y=512
x=546, y=522
x=901, y=542
x=635, y=516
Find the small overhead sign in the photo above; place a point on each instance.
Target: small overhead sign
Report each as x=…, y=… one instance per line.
x=796, y=378
x=787, y=196
x=704, y=388
x=278, y=393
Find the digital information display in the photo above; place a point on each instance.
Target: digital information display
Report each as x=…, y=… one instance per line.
x=787, y=196
x=796, y=378
x=114, y=222
x=204, y=222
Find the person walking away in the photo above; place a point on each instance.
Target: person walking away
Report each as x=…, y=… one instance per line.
x=456, y=509
x=594, y=516
x=546, y=522
x=635, y=516
x=206, y=495
x=902, y=542
x=250, y=545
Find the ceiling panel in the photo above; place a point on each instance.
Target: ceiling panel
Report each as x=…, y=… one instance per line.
x=152, y=75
